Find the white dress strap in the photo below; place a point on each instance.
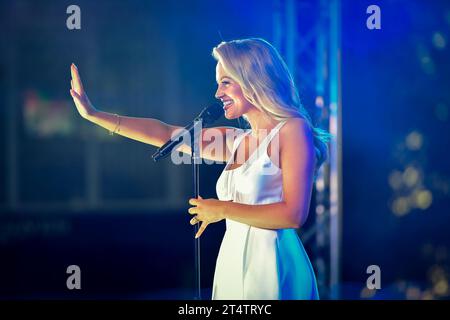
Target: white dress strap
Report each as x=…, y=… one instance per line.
x=272, y=133
x=236, y=143
x=262, y=147
x=238, y=139
x=265, y=142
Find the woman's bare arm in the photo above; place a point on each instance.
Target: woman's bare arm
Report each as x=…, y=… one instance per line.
x=149, y=130
x=157, y=133
x=146, y=130
x=297, y=162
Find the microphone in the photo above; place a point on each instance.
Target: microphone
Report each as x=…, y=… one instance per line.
x=207, y=116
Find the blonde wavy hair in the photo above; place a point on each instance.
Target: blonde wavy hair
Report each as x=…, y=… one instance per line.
x=267, y=83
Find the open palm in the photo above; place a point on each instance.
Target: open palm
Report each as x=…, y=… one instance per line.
x=81, y=100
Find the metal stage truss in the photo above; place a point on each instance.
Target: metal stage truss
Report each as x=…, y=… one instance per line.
x=308, y=35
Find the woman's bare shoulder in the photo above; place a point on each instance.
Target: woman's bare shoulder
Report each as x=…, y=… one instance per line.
x=295, y=123
x=295, y=130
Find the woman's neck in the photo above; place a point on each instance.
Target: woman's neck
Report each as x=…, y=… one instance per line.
x=260, y=121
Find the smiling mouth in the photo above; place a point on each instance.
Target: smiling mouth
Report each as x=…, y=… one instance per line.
x=227, y=104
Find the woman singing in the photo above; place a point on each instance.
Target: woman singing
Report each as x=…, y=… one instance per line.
x=264, y=191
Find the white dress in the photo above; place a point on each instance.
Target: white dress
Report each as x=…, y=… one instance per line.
x=255, y=263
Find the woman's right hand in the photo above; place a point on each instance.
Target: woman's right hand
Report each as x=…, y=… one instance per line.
x=81, y=100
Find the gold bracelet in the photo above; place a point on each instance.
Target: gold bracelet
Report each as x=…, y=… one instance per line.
x=117, y=125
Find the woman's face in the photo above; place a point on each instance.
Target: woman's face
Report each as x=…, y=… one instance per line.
x=230, y=93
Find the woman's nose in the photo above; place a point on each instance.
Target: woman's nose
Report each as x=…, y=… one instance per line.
x=219, y=93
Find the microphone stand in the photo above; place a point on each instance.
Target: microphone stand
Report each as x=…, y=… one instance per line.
x=208, y=115
x=195, y=160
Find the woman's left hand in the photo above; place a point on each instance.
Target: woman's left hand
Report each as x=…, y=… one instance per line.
x=207, y=211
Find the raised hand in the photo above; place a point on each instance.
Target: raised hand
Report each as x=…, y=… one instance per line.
x=81, y=100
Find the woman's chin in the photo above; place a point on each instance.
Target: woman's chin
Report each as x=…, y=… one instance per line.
x=231, y=115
